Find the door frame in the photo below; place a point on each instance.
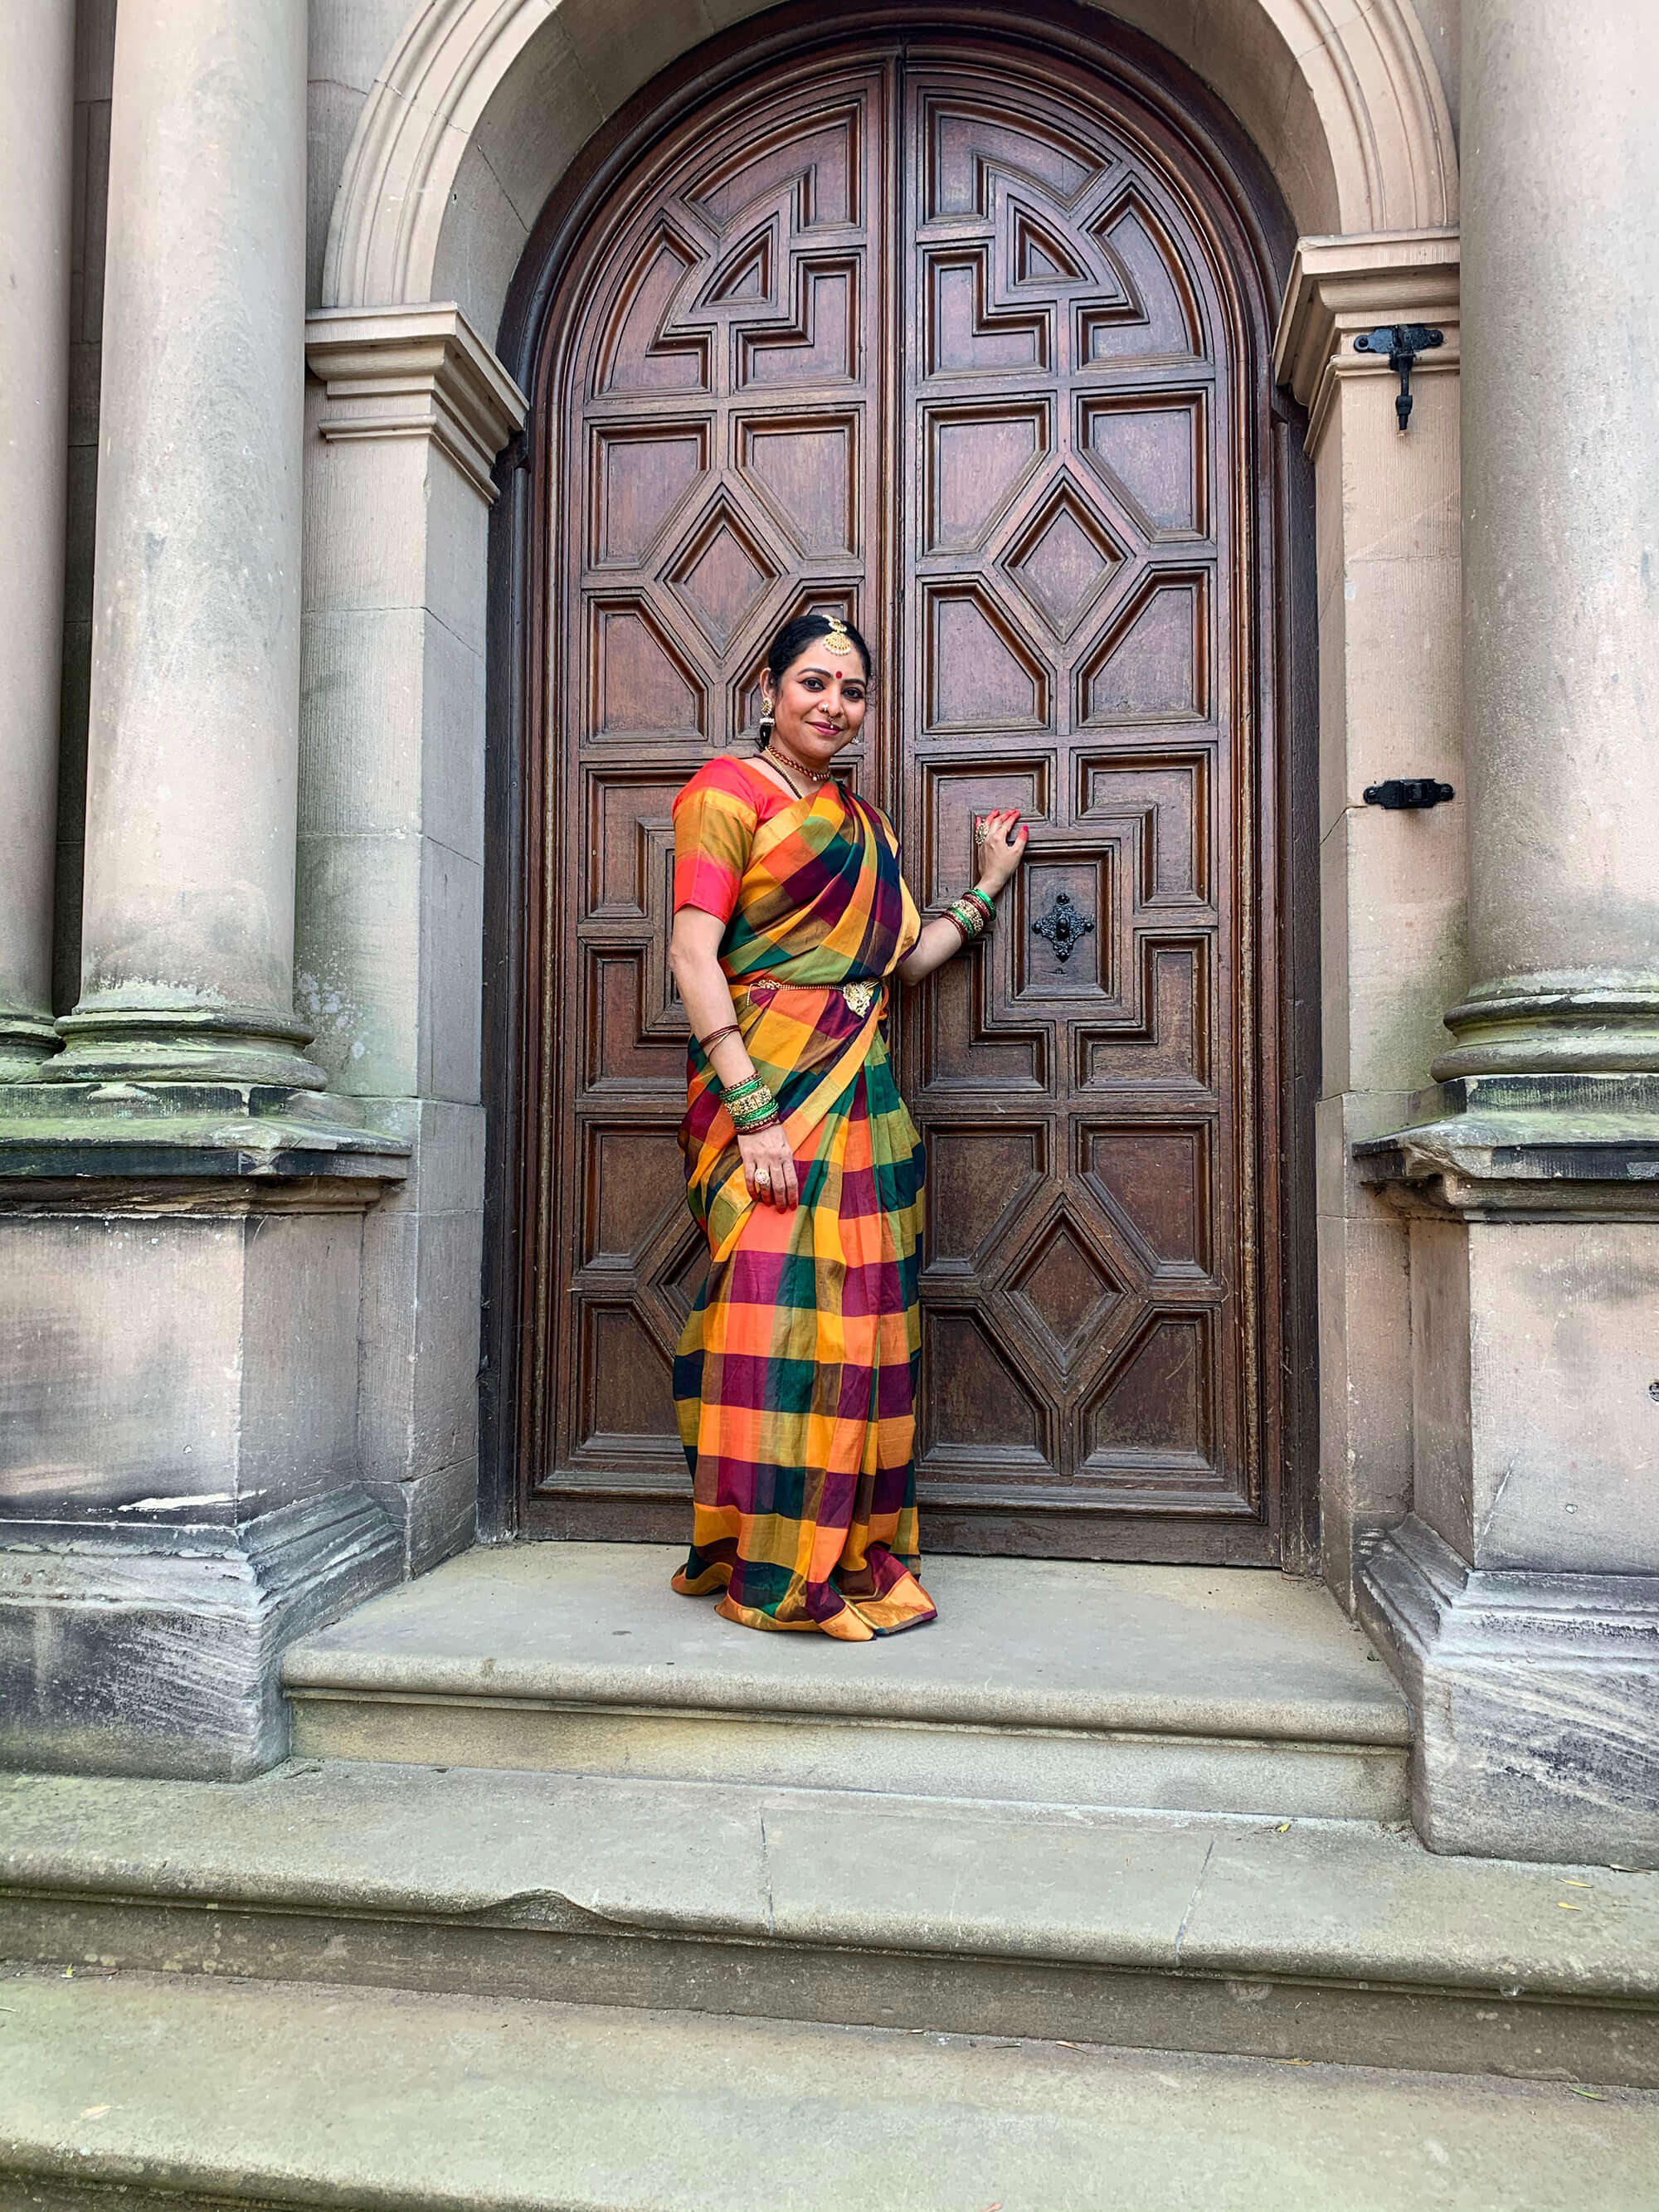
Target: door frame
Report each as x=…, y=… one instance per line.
x=520, y=1212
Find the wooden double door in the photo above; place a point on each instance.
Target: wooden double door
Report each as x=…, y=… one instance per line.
x=956, y=338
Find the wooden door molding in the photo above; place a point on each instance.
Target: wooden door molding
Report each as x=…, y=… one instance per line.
x=1077, y=413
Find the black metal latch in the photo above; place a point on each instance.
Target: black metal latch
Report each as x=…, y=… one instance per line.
x=1402, y=343
x=1407, y=791
x=1065, y=926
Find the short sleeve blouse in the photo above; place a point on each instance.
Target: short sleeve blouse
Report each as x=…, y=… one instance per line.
x=715, y=818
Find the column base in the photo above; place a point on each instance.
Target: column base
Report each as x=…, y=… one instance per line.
x=1536, y=1699
x=145, y=1650
x=26, y=1041
x=1567, y=1024
x=181, y=1302
x=55, y=1131
x=225, y=1044
x=1536, y=1146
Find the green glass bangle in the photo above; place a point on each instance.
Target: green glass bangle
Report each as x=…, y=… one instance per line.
x=750, y=1083
x=758, y=1102
x=751, y=1122
x=983, y=899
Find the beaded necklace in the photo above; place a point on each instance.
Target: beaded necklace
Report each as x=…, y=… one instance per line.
x=789, y=767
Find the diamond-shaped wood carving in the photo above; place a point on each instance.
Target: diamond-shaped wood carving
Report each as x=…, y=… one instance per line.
x=720, y=577
x=1065, y=557
x=1066, y=1290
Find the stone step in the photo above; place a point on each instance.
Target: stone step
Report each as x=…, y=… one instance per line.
x=1294, y=1939
x=1045, y=1683
x=172, y=2092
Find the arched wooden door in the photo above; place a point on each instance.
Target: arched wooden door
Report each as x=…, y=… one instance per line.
x=957, y=337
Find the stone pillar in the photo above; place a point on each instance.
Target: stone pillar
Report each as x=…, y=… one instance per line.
x=1561, y=536
x=37, y=87
x=188, y=914
x=1391, y=885
x=1519, y=1599
x=407, y=410
x=181, y=1215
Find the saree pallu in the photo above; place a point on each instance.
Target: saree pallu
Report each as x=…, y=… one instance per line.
x=795, y=1377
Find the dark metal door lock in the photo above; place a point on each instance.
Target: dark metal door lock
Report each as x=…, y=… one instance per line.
x=1401, y=343
x=1065, y=926
x=1407, y=791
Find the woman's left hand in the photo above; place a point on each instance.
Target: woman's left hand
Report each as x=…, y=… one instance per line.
x=1004, y=848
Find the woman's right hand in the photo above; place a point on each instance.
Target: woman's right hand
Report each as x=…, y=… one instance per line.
x=768, y=1167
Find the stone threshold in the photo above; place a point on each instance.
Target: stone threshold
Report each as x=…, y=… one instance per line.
x=1184, y=1688
x=1320, y=1940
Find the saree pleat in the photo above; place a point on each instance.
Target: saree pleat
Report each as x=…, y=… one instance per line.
x=795, y=1377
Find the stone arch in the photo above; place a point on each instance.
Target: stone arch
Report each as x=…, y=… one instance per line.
x=483, y=104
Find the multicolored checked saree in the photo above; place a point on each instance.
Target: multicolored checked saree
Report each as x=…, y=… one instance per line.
x=795, y=1379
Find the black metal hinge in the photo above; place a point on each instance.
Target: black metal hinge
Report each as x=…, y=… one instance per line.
x=1401, y=343
x=1407, y=791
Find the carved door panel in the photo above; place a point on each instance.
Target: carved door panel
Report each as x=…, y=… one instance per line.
x=1069, y=625
x=720, y=469
x=940, y=335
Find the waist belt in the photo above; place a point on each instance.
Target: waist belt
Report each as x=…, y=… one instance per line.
x=861, y=995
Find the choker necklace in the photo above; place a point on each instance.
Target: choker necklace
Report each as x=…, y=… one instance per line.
x=787, y=761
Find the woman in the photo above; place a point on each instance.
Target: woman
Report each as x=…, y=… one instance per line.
x=795, y=1380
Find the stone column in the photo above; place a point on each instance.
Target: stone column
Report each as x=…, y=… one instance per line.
x=1519, y=1598
x=1561, y=536
x=188, y=917
x=37, y=87
x=181, y=1219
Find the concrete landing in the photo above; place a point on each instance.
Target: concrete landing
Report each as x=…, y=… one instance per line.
x=289, y=2095
x=1179, y=1688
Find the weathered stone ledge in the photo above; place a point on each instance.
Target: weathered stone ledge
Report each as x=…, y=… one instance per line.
x=1538, y=1147
x=91, y=1143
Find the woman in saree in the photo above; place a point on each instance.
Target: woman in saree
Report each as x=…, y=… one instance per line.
x=795, y=1378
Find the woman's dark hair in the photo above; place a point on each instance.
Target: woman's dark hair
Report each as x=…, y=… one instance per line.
x=793, y=640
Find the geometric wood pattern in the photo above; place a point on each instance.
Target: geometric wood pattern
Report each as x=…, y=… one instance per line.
x=719, y=397
x=1067, y=412
x=1016, y=450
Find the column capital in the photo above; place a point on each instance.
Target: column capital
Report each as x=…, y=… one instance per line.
x=415, y=372
x=1339, y=287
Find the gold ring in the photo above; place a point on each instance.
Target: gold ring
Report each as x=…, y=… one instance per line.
x=982, y=833
x=763, y=1174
